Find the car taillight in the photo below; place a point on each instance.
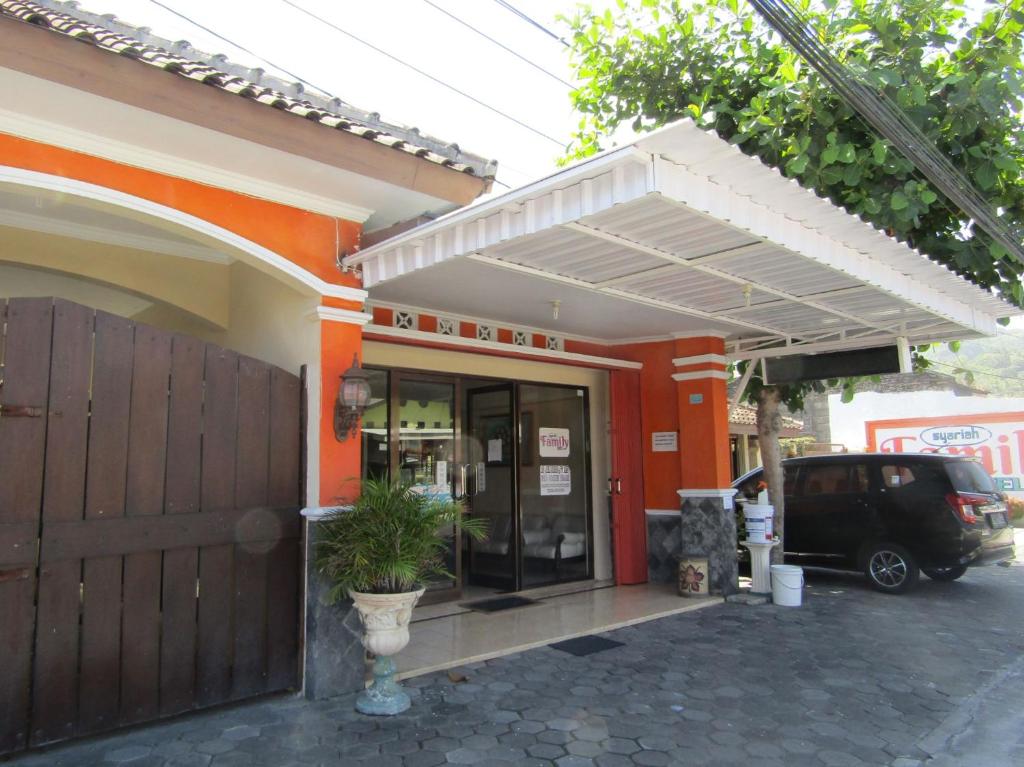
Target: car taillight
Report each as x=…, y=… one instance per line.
x=965, y=504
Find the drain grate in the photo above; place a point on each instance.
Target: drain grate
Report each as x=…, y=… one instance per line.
x=586, y=645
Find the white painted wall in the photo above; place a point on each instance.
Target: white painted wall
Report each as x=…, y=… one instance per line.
x=847, y=420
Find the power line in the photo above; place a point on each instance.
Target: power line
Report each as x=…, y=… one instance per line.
x=501, y=45
x=515, y=11
x=975, y=372
x=420, y=72
x=221, y=37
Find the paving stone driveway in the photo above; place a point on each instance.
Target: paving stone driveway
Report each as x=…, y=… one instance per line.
x=851, y=678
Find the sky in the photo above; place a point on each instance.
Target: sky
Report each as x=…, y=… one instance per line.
x=422, y=33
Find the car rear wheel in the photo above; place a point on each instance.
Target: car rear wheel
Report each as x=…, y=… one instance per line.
x=891, y=568
x=944, y=573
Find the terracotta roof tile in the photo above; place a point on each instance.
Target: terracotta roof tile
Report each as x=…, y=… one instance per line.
x=171, y=57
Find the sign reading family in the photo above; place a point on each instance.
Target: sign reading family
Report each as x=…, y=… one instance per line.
x=554, y=443
x=995, y=439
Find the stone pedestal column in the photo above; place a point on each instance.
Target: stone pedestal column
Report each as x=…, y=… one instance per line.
x=708, y=530
x=334, y=661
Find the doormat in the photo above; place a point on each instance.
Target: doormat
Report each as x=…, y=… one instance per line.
x=498, y=603
x=587, y=645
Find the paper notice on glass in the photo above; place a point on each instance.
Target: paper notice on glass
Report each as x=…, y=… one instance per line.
x=441, y=473
x=554, y=443
x=555, y=480
x=481, y=477
x=494, y=450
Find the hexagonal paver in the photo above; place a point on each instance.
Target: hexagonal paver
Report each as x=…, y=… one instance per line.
x=546, y=751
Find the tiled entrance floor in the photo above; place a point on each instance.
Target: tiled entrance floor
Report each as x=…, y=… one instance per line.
x=466, y=637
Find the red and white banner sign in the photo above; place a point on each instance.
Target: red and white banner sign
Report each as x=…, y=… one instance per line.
x=996, y=439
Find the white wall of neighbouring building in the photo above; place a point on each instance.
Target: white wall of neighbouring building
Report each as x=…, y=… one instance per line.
x=847, y=420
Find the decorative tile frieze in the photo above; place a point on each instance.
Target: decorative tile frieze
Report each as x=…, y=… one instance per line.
x=405, y=320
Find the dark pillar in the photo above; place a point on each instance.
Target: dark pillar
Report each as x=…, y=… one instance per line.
x=335, y=661
x=708, y=530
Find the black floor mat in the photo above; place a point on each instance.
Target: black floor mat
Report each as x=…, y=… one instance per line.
x=498, y=603
x=587, y=645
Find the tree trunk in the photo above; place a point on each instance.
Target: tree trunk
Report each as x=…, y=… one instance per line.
x=769, y=424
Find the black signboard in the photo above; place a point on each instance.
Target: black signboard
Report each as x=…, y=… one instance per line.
x=816, y=367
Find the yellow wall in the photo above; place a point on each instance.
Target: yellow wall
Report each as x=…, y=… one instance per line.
x=197, y=287
x=462, y=363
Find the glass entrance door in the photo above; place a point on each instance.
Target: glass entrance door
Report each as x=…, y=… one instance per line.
x=425, y=455
x=554, y=485
x=517, y=455
x=490, y=454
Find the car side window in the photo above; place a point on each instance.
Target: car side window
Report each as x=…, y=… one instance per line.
x=859, y=478
x=897, y=476
x=829, y=480
x=789, y=480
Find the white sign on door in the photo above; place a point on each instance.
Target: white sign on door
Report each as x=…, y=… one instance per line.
x=555, y=480
x=554, y=443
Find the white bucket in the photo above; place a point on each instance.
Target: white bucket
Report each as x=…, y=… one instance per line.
x=759, y=522
x=787, y=585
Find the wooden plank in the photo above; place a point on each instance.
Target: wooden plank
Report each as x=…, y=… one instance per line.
x=132, y=535
x=249, y=672
x=184, y=438
x=285, y=436
x=283, y=561
x=178, y=648
x=100, y=684
x=181, y=566
x=144, y=497
x=220, y=428
x=26, y=374
x=55, y=679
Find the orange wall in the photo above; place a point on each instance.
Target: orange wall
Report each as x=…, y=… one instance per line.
x=339, y=461
x=308, y=239
x=703, y=458
x=659, y=411
x=704, y=446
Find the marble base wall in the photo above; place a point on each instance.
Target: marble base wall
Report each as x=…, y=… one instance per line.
x=335, y=661
x=663, y=547
x=708, y=530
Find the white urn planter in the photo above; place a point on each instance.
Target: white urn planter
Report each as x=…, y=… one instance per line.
x=385, y=620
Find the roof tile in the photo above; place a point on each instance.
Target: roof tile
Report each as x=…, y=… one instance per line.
x=160, y=56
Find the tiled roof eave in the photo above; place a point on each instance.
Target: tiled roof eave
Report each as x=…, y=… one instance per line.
x=160, y=58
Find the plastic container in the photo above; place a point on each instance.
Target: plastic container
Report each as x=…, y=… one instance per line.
x=759, y=522
x=787, y=585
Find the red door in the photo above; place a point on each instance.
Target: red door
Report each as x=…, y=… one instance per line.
x=629, y=524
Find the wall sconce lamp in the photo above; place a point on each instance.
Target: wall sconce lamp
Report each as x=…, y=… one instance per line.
x=353, y=397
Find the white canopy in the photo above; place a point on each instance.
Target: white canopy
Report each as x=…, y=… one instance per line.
x=678, y=232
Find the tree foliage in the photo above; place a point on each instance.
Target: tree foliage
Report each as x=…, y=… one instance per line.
x=959, y=79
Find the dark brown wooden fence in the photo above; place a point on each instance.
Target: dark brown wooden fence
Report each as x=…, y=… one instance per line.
x=149, y=527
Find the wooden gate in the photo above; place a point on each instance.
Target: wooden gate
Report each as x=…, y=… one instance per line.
x=149, y=526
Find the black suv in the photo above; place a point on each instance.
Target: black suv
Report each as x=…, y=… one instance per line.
x=891, y=515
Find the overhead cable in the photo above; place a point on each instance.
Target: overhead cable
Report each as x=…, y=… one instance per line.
x=532, y=22
x=427, y=75
x=221, y=37
x=891, y=123
x=501, y=45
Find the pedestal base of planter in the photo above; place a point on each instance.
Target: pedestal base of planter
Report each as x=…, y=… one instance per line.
x=385, y=697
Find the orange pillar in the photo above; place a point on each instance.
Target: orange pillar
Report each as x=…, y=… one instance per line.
x=703, y=402
x=707, y=524
x=341, y=338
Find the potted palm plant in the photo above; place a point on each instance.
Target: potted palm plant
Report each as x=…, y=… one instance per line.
x=380, y=552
